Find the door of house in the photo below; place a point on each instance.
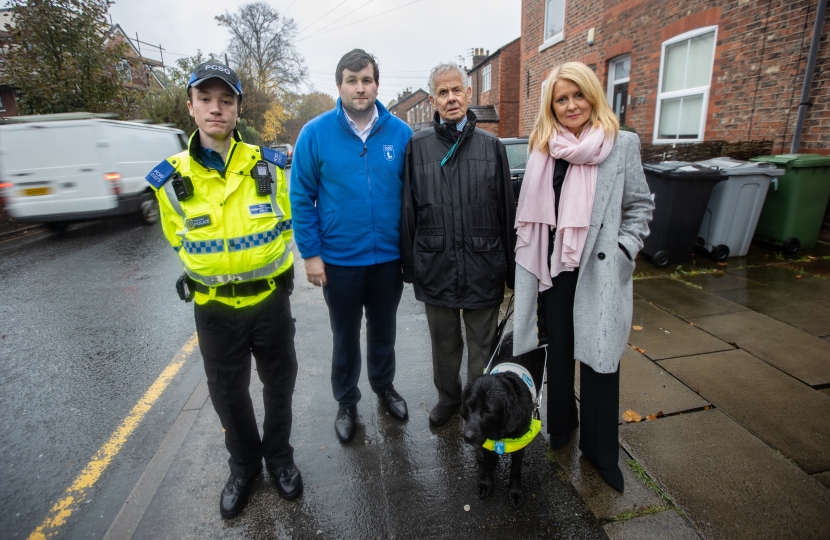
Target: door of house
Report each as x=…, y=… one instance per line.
x=618, y=77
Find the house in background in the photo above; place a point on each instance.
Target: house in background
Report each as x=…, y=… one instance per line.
x=495, y=81
x=687, y=71
x=413, y=108
x=136, y=70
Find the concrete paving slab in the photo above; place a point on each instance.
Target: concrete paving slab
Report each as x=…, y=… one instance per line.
x=604, y=501
x=716, y=281
x=730, y=484
x=794, y=351
x=825, y=391
x=782, y=277
x=815, y=266
x=683, y=299
x=667, y=525
x=786, y=414
x=666, y=336
x=824, y=478
x=812, y=317
x=647, y=388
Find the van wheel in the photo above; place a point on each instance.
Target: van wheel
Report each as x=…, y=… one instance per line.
x=149, y=208
x=57, y=227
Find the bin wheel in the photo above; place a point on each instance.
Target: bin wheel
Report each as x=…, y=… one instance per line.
x=661, y=258
x=791, y=245
x=720, y=252
x=57, y=227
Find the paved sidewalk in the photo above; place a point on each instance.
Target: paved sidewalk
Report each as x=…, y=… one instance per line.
x=732, y=362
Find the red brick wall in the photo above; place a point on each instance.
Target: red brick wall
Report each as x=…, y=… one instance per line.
x=505, y=70
x=9, y=102
x=406, y=103
x=761, y=52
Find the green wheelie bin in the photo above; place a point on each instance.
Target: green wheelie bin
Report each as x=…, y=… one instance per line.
x=795, y=204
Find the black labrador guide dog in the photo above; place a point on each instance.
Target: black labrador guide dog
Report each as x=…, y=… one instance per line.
x=500, y=406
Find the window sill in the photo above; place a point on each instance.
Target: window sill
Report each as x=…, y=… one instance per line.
x=551, y=41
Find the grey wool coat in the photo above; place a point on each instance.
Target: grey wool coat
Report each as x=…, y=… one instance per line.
x=604, y=291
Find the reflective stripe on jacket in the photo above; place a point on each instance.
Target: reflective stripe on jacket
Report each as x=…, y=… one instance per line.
x=227, y=232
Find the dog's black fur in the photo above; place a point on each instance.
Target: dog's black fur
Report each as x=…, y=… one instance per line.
x=496, y=407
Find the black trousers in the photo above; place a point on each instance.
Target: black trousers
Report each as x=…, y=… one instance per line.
x=599, y=392
x=350, y=292
x=227, y=337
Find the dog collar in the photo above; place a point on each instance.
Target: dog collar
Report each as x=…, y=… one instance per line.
x=521, y=371
x=511, y=445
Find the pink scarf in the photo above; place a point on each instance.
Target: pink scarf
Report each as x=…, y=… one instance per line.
x=535, y=215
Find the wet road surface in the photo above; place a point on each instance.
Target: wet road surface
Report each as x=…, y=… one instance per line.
x=88, y=321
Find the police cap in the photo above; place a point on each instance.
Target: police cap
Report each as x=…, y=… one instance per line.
x=210, y=70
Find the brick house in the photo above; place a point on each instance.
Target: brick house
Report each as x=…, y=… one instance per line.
x=687, y=71
x=495, y=80
x=409, y=106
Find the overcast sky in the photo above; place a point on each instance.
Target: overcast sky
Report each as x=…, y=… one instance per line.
x=410, y=38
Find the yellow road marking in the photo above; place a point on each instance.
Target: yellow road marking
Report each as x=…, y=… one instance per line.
x=75, y=493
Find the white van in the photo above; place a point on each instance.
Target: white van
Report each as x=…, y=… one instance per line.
x=57, y=172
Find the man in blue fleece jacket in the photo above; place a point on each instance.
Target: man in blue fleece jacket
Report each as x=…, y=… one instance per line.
x=346, y=183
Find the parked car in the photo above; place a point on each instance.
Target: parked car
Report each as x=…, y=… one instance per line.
x=517, y=158
x=58, y=172
x=286, y=149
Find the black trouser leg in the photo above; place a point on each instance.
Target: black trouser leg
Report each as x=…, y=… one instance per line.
x=383, y=295
x=273, y=348
x=599, y=406
x=558, y=304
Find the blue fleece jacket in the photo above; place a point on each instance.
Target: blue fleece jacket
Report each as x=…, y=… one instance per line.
x=346, y=196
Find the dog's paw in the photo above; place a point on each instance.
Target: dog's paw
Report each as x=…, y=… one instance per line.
x=485, y=488
x=517, y=497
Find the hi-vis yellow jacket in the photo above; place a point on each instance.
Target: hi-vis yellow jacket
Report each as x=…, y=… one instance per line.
x=226, y=232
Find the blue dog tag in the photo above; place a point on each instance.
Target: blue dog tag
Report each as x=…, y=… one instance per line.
x=498, y=447
x=277, y=158
x=159, y=175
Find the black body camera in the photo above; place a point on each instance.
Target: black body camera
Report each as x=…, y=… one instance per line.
x=182, y=186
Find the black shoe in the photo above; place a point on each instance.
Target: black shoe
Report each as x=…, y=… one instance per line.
x=346, y=423
x=234, y=496
x=440, y=414
x=288, y=480
x=613, y=477
x=395, y=404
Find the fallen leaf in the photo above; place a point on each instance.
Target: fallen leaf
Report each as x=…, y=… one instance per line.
x=651, y=417
x=810, y=257
x=639, y=350
x=635, y=327
x=692, y=323
x=798, y=276
x=706, y=408
x=722, y=264
x=321, y=448
x=631, y=416
x=660, y=414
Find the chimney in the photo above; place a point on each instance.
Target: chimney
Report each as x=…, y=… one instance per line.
x=479, y=55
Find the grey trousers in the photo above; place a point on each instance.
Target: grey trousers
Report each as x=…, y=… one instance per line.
x=448, y=347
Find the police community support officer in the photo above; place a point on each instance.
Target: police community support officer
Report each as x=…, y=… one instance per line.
x=230, y=223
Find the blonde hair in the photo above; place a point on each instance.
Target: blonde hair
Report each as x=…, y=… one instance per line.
x=585, y=78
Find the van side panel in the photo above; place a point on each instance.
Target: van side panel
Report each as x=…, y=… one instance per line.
x=135, y=150
x=55, y=168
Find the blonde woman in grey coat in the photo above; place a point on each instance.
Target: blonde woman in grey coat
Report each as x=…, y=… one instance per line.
x=582, y=217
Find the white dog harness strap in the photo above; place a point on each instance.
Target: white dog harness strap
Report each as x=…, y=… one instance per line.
x=521, y=371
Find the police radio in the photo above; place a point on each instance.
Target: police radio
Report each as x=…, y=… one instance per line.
x=182, y=186
x=264, y=182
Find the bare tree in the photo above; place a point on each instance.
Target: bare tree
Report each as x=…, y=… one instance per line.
x=262, y=44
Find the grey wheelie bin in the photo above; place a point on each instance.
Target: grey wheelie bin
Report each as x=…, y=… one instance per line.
x=734, y=206
x=681, y=192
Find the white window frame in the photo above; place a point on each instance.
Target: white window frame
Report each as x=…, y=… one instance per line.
x=612, y=82
x=556, y=38
x=485, y=78
x=704, y=90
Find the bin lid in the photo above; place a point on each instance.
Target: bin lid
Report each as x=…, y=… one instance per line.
x=796, y=160
x=736, y=167
x=684, y=169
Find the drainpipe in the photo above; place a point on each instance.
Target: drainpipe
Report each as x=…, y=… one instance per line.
x=808, y=77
